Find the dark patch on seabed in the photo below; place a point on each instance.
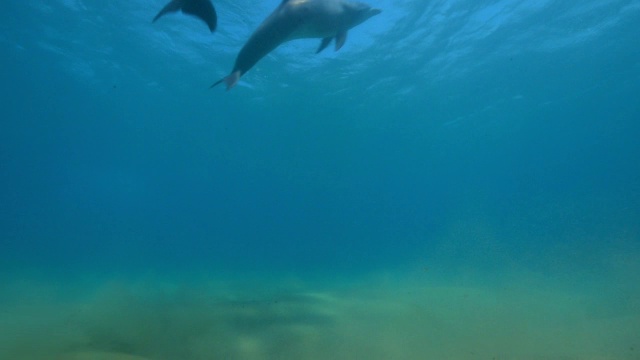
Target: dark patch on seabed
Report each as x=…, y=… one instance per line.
x=375, y=318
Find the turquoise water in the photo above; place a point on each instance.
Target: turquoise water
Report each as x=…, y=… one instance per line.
x=460, y=181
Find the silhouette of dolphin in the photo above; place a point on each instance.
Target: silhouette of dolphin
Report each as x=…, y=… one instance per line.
x=203, y=9
x=297, y=19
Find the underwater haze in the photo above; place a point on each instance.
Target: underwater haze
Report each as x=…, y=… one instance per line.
x=460, y=181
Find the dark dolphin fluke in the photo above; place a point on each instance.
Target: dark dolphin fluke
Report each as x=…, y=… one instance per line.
x=296, y=19
x=203, y=9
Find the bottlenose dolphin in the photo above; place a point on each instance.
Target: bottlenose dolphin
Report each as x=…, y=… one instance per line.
x=202, y=9
x=296, y=19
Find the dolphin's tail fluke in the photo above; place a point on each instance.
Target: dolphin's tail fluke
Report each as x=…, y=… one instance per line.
x=231, y=80
x=172, y=6
x=202, y=9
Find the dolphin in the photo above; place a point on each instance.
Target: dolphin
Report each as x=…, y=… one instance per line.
x=202, y=9
x=297, y=19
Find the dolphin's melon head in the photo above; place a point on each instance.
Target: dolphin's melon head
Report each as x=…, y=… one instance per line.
x=360, y=12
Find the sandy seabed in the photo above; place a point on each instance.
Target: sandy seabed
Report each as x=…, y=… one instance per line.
x=381, y=317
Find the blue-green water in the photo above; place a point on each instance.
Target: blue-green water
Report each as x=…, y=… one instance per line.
x=460, y=181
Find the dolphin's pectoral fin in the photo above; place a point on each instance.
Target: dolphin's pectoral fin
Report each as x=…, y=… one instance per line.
x=202, y=9
x=323, y=44
x=341, y=38
x=172, y=6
